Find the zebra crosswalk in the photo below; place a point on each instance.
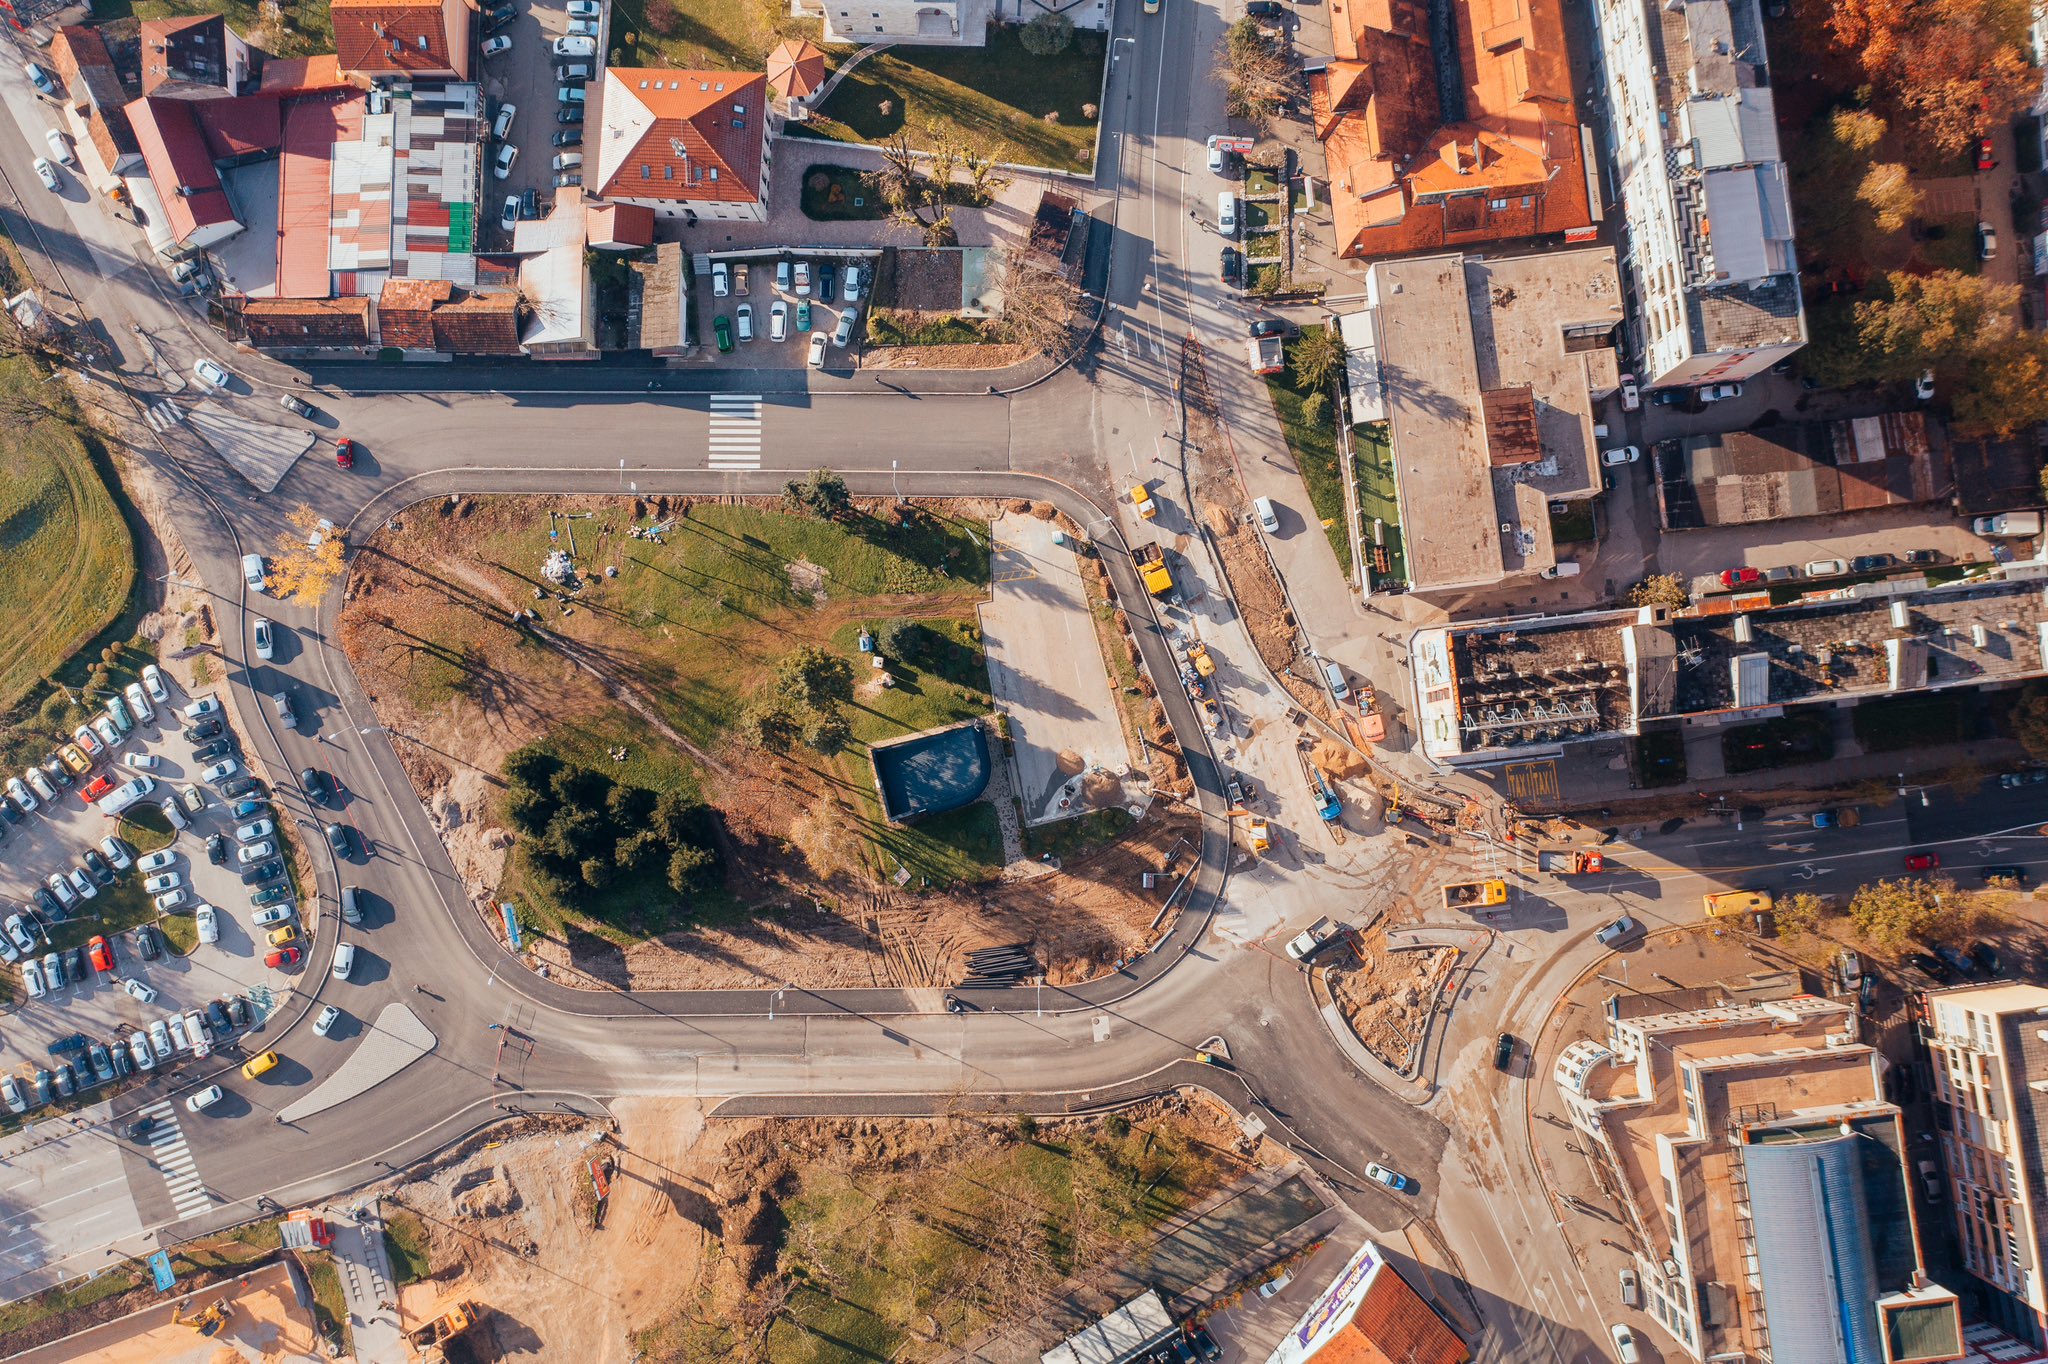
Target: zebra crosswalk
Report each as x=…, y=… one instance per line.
x=735, y=431
x=163, y=414
x=173, y=1160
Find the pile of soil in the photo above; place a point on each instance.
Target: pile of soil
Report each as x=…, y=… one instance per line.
x=1387, y=996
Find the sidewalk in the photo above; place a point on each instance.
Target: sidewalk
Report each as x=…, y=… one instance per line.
x=366, y=1287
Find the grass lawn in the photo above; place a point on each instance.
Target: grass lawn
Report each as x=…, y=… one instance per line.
x=1373, y=458
x=1259, y=180
x=1263, y=246
x=66, y=560
x=1255, y=216
x=144, y=828
x=1072, y=837
x=306, y=29
x=1574, y=525
x=839, y=194
x=330, y=1306
x=405, y=1241
x=727, y=35
x=902, y=1252
x=999, y=93
x=230, y=1250
x=1264, y=279
x=1955, y=248
x=1314, y=447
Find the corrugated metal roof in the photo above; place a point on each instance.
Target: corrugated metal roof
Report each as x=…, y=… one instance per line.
x=1813, y=1251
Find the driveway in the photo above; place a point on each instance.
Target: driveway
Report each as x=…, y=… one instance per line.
x=1046, y=668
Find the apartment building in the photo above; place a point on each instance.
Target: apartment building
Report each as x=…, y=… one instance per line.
x=1709, y=250
x=1989, y=1048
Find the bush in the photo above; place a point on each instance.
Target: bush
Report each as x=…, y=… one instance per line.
x=1048, y=35
x=902, y=640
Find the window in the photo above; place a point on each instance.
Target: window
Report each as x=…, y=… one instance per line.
x=646, y=171
x=668, y=172
x=1496, y=205
x=714, y=174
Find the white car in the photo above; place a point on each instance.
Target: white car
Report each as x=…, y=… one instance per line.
x=17, y=929
x=1923, y=387
x=253, y=830
x=583, y=28
x=153, y=683
x=210, y=374
x=344, y=960
x=21, y=795
x=1625, y=1345
x=139, y=703
x=161, y=882
x=142, y=762
x=46, y=173
x=109, y=734
x=170, y=900
x=843, y=333
x=157, y=861
x=1620, y=454
x=721, y=279
x=494, y=46
x=850, y=291
x=1381, y=1174
x=585, y=9
x=803, y=279
x=1631, y=396
x=501, y=165
x=180, y=1040
x=1216, y=155
x=202, y=708
x=266, y=642
x=1827, y=568
x=60, y=147
x=160, y=1040
x=83, y=884
x=1714, y=393
x=61, y=888
x=502, y=124
x=817, y=350
x=208, y=922
x=743, y=316
x=778, y=321
x=255, y=852
x=1226, y=213
x=137, y=990
x=138, y=1047
x=116, y=853
x=39, y=782
x=324, y=1024
x=272, y=916
x=574, y=47
x=205, y=1098
x=32, y=977
x=221, y=771
x=510, y=217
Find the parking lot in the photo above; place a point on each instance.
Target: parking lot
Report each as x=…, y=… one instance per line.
x=222, y=859
x=526, y=77
x=810, y=291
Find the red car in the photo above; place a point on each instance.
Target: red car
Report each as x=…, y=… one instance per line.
x=1985, y=160
x=102, y=955
x=283, y=957
x=1740, y=577
x=1923, y=862
x=97, y=787
x=345, y=453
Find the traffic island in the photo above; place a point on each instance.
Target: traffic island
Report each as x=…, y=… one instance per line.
x=395, y=1040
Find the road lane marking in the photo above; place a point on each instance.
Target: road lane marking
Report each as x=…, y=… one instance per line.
x=735, y=431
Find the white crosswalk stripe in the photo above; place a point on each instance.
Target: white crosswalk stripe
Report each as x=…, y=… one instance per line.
x=735, y=431
x=163, y=414
x=168, y=1152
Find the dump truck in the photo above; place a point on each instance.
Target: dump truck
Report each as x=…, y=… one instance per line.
x=1266, y=354
x=1151, y=562
x=1372, y=726
x=1261, y=836
x=1569, y=861
x=1328, y=805
x=1475, y=894
x=1141, y=498
x=1730, y=904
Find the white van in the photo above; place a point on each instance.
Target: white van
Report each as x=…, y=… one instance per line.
x=1563, y=568
x=575, y=45
x=125, y=795
x=1339, y=687
x=1269, y=520
x=1226, y=213
x=252, y=573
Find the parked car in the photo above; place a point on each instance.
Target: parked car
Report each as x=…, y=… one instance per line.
x=1715, y=393
x=271, y=917
x=253, y=830
x=226, y=767
x=1987, y=241
x=207, y=921
x=1380, y=1173
x=1826, y=568
x=778, y=321
x=46, y=173
x=743, y=316
x=498, y=45
x=501, y=164
x=324, y=1024
x=40, y=78
x=319, y=789
x=816, y=358
x=210, y=374
x=1740, y=577
x=1616, y=931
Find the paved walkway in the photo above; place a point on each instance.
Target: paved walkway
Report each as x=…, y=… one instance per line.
x=366, y=1287
x=395, y=1041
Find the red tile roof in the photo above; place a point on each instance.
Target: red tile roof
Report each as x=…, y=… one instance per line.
x=94, y=88
x=479, y=324
x=249, y=125
x=76, y=46
x=405, y=311
x=397, y=38
x=1392, y=1325
x=682, y=135
x=289, y=323
x=619, y=225
x=796, y=68
x=301, y=75
x=1399, y=182
x=175, y=151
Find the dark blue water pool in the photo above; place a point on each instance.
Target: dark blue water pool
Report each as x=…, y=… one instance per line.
x=929, y=773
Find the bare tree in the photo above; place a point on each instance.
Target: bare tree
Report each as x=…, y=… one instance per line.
x=978, y=159
x=1039, y=301
x=913, y=198
x=1257, y=75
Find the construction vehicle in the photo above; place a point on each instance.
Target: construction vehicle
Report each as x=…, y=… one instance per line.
x=1842, y=817
x=1261, y=836
x=1730, y=904
x=208, y=1321
x=1372, y=726
x=1475, y=894
x=1198, y=657
x=1328, y=805
x=1141, y=498
x=1151, y=562
x=430, y=1339
x=1569, y=861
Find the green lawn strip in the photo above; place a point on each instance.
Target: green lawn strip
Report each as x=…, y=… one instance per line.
x=1373, y=460
x=1264, y=279
x=1263, y=246
x=330, y=1307
x=1260, y=180
x=887, y=327
x=231, y=1250
x=999, y=93
x=1314, y=447
x=55, y=510
x=405, y=1242
x=726, y=35
x=1072, y=837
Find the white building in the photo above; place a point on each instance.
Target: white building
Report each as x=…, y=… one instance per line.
x=937, y=23
x=1703, y=187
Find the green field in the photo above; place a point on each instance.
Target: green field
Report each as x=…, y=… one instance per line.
x=66, y=560
x=1314, y=447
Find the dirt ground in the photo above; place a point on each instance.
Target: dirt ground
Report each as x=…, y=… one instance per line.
x=692, y=1224
x=979, y=355
x=267, y=1327
x=1387, y=995
x=816, y=922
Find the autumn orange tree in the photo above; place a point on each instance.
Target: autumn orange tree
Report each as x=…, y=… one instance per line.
x=1955, y=67
x=309, y=557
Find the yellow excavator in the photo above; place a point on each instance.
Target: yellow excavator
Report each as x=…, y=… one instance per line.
x=429, y=1340
x=208, y=1321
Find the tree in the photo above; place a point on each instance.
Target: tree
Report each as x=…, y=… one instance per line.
x=771, y=727
x=1039, y=301
x=1798, y=914
x=1258, y=75
x=638, y=851
x=1660, y=589
x=1317, y=356
x=820, y=493
x=1887, y=190
x=665, y=17
x=1954, y=66
x=308, y=559
x=690, y=868
x=1898, y=915
x=1315, y=407
x=2004, y=389
x=902, y=639
x=815, y=679
x=573, y=835
x=978, y=158
x=581, y=788
x=912, y=197
x=532, y=767
x=529, y=810
x=599, y=872
x=1923, y=319
x=827, y=732
x=2030, y=720
x=1047, y=35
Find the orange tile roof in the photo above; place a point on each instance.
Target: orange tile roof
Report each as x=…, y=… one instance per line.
x=479, y=324
x=682, y=135
x=301, y=75
x=796, y=68
x=307, y=323
x=1401, y=183
x=398, y=37
x=405, y=311
x=1392, y=1325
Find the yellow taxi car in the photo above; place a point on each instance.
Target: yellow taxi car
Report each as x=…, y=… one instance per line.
x=257, y=1065
x=75, y=759
x=282, y=937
